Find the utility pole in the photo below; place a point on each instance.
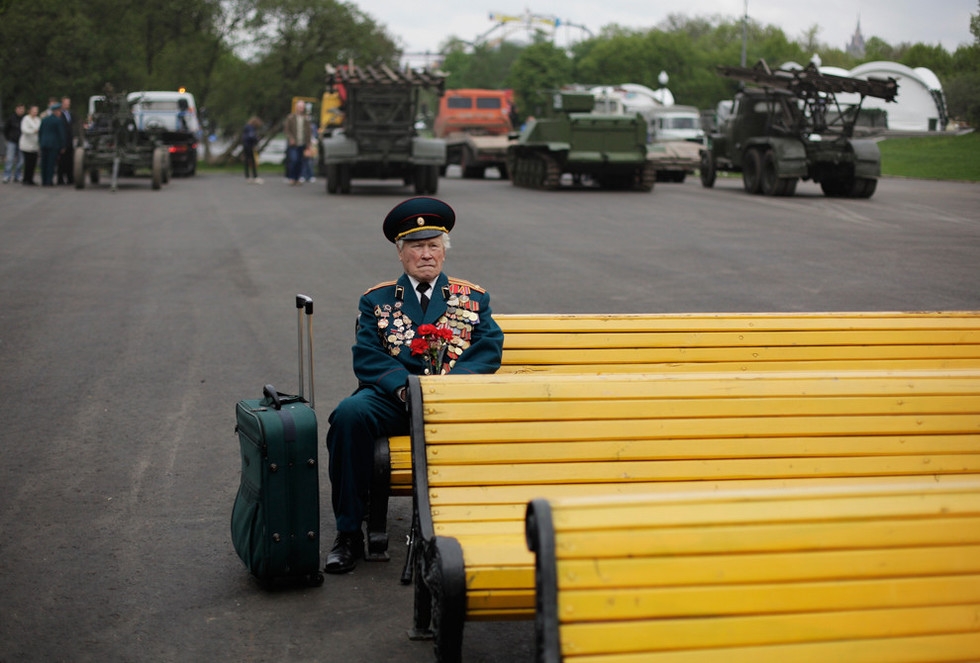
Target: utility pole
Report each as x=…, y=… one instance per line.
x=745, y=28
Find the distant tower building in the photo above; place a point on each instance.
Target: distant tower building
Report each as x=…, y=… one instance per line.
x=856, y=47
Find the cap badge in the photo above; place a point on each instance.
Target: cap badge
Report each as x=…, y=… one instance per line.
x=420, y=221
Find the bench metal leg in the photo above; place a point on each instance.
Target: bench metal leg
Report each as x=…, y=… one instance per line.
x=445, y=575
x=413, y=547
x=377, y=525
x=422, y=611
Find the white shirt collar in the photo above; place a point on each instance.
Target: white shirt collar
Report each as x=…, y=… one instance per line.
x=415, y=285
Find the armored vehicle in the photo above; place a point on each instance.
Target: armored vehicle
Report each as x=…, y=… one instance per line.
x=378, y=139
x=608, y=150
x=113, y=141
x=789, y=126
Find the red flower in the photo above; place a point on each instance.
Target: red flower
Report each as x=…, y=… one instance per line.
x=431, y=344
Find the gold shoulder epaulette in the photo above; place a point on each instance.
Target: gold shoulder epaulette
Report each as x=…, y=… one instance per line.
x=383, y=284
x=468, y=284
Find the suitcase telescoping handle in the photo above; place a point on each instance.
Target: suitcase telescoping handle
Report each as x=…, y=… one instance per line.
x=304, y=303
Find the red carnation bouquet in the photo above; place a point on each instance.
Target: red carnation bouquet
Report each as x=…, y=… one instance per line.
x=431, y=343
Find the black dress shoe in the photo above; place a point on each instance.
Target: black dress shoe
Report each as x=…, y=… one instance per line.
x=348, y=547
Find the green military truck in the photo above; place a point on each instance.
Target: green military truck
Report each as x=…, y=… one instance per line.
x=378, y=139
x=607, y=150
x=788, y=126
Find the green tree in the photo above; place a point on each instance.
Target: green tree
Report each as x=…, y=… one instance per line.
x=540, y=69
x=484, y=66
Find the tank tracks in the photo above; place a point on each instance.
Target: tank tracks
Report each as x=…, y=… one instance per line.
x=535, y=171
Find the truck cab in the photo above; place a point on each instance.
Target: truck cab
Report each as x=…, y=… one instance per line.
x=475, y=124
x=173, y=114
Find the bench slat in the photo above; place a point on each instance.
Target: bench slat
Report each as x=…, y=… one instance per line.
x=668, y=449
x=503, y=388
x=627, y=603
x=523, y=493
x=597, y=410
x=649, y=429
x=704, y=635
x=542, y=474
x=757, y=568
x=681, y=367
x=522, y=323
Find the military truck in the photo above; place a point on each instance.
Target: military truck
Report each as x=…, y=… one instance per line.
x=475, y=124
x=606, y=150
x=789, y=126
x=378, y=138
x=112, y=141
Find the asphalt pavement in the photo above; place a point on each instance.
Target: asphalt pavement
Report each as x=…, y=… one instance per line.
x=131, y=322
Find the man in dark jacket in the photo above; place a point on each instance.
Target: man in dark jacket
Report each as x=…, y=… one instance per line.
x=66, y=161
x=13, y=165
x=51, y=138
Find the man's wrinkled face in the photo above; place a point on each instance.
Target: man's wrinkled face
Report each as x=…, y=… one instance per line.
x=423, y=258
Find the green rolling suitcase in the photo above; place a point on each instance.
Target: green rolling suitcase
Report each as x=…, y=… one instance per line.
x=275, y=522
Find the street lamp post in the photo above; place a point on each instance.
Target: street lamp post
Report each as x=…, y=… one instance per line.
x=745, y=27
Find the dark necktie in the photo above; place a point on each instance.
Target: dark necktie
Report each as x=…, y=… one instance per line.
x=423, y=298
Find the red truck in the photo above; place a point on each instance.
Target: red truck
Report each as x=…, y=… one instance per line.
x=475, y=125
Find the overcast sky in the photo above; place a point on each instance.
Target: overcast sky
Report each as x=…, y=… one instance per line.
x=422, y=26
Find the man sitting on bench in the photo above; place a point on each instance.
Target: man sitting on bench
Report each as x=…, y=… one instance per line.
x=423, y=323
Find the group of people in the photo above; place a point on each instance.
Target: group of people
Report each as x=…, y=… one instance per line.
x=301, y=140
x=35, y=138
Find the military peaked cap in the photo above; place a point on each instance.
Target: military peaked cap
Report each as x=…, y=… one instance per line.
x=419, y=218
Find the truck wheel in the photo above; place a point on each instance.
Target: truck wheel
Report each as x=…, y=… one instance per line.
x=835, y=188
x=502, y=169
x=78, y=167
x=159, y=160
x=332, y=177
x=343, y=175
x=752, y=171
x=769, y=183
x=788, y=186
x=433, y=179
x=708, y=172
x=863, y=187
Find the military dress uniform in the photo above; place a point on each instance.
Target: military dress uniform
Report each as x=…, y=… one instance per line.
x=389, y=317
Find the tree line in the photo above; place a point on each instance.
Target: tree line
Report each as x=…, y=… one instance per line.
x=250, y=57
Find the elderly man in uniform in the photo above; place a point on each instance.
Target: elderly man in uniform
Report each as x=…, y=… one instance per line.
x=424, y=322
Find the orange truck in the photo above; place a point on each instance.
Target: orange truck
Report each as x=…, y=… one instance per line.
x=475, y=125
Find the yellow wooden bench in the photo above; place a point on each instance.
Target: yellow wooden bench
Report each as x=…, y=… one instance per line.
x=544, y=343
x=843, y=573
x=483, y=446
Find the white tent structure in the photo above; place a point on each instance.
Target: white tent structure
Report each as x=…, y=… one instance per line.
x=920, y=104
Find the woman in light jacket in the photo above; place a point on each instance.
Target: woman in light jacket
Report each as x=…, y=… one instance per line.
x=29, y=145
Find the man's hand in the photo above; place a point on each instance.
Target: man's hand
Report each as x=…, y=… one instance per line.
x=401, y=393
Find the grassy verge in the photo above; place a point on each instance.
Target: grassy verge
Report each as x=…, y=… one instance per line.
x=932, y=157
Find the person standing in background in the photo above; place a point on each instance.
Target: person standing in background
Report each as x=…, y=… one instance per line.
x=250, y=139
x=66, y=162
x=297, y=141
x=51, y=139
x=30, y=127
x=13, y=166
